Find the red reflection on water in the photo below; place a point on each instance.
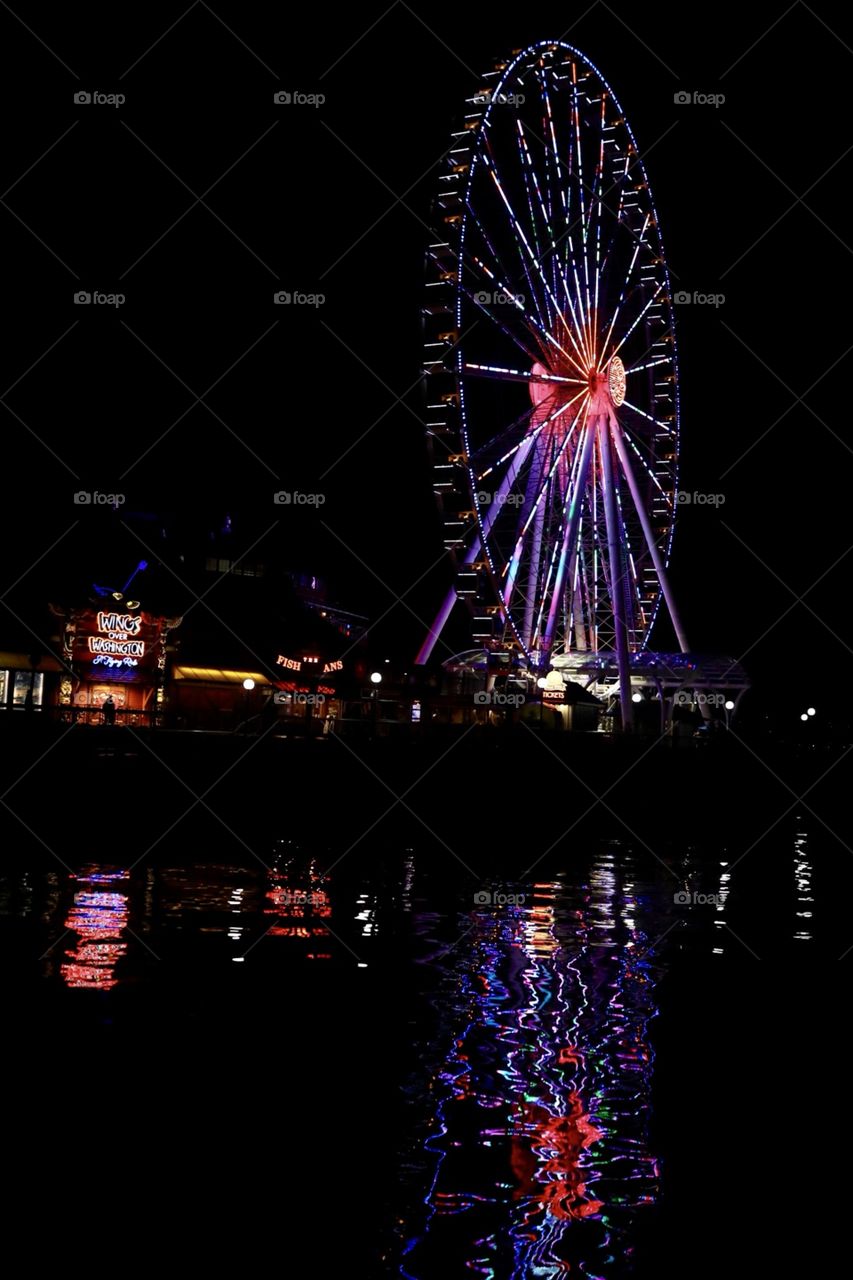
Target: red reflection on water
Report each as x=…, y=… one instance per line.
x=98, y=916
x=554, y=1147
x=296, y=900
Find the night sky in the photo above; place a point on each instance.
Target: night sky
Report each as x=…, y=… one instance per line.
x=334, y=200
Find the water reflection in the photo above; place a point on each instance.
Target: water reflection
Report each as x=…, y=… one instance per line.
x=527, y=1151
x=720, y=925
x=99, y=916
x=803, y=888
x=297, y=901
x=538, y=1134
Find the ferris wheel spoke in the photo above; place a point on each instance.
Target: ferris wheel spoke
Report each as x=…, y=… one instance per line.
x=530, y=327
x=552, y=152
x=648, y=535
x=522, y=244
x=547, y=492
x=597, y=271
x=650, y=364
x=652, y=300
x=623, y=292
x=497, y=441
x=547, y=220
x=571, y=517
x=502, y=272
x=540, y=329
x=628, y=577
x=499, y=374
x=534, y=568
x=510, y=569
x=664, y=426
x=549, y=477
x=540, y=334
x=619, y=223
x=579, y=158
x=531, y=190
x=583, y=321
x=531, y=435
x=596, y=191
x=655, y=481
x=473, y=264
x=583, y=355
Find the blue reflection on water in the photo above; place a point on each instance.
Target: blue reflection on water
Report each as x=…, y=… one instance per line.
x=537, y=1136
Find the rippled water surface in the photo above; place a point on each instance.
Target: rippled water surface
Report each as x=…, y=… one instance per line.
x=522, y=1013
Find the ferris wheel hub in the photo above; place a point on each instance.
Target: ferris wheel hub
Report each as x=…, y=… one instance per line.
x=601, y=398
x=616, y=381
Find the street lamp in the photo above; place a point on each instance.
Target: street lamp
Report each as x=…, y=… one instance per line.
x=375, y=679
x=636, y=697
x=248, y=686
x=541, y=684
x=804, y=716
x=810, y=711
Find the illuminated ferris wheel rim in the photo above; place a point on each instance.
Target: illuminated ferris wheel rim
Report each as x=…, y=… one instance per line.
x=595, y=368
x=574, y=359
x=499, y=93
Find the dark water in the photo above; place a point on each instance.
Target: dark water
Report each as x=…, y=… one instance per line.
x=515, y=1053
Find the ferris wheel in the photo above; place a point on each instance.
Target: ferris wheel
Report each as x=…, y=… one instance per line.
x=551, y=370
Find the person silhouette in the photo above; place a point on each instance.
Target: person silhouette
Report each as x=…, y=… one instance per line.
x=109, y=710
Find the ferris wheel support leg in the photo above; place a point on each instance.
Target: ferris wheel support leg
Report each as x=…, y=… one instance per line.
x=657, y=559
x=617, y=575
x=425, y=651
x=571, y=536
x=535, y=556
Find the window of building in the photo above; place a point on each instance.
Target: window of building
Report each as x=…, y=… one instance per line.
x=22, y=687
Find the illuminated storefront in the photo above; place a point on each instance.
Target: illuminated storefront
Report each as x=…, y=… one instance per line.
x=308, y=687
x=114, y=650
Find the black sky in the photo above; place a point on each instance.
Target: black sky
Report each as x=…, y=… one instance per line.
x=306, y=199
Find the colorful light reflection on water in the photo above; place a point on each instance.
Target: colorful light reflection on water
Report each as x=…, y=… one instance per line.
x=98, y=916
x=537, y=1138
